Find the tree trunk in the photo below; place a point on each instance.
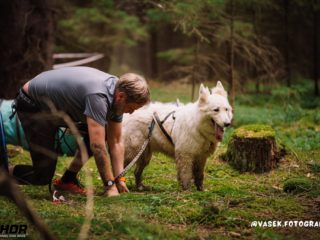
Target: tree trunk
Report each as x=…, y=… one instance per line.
x=153, y=53
x=26, y=42
x=316, y=52
x=253, y=148
x=255, y=66
x=231, y=55
x=286, y=42
x=195, y=72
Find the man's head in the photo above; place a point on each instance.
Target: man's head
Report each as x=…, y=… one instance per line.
x=132, y=92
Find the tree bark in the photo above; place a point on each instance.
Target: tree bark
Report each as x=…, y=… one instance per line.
x=195, y=72
x=316, y=38
x=286, y=42
x=255, y=66
x=253, y=148
x=153, y=53
x=26, y=42
x=231, y=55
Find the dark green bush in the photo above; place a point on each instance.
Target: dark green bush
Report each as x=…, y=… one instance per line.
x=297, y=185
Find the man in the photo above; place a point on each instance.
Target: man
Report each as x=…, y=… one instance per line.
x=90, y=97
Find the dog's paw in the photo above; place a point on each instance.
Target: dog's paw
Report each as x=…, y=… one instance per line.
x=141, y=188
x=186, y=187
x=200, y=188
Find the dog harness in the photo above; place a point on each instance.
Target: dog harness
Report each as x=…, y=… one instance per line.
x=160, y=124
x=146, y=142
x=137, y=157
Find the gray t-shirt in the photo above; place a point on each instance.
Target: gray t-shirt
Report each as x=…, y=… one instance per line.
x=78, y=91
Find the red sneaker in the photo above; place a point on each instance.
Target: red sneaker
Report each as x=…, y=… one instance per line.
x=70, y=187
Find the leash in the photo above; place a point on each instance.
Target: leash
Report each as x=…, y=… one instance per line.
x=143, y=148
x=58, y=198
x=146, y=142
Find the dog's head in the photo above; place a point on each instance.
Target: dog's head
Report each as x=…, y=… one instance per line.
x=216, y=109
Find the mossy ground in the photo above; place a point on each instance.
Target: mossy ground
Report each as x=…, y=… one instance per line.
x=223, y=211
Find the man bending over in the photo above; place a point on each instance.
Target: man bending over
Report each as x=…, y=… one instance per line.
x=95, y=101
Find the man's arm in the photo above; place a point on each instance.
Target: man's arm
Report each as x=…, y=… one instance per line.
x=116, y=147
x=99, y=150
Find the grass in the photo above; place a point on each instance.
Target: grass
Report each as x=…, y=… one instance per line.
x=223, y=211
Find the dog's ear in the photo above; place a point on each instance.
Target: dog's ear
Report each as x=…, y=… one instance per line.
x=219, y=85
x=219, y=89
x=203, y=94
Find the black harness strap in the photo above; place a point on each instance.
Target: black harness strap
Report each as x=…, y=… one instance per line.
x=160, y=123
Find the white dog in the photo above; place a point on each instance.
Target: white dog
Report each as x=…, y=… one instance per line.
x=195, y=130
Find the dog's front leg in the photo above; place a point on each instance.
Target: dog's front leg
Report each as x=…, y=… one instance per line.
x=141, y=164
x=184, y=169
x=198, y=173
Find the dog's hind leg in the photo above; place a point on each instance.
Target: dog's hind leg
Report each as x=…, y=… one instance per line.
x=143, y=161
x=184, y=168
x=198, y=173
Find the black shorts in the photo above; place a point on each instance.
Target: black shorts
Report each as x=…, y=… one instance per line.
x=40, y=128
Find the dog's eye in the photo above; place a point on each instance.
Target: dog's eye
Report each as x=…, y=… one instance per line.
x=227, y=109
x=216, y=109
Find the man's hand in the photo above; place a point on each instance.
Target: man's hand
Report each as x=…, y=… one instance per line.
x=122, y=187
x=111, y=191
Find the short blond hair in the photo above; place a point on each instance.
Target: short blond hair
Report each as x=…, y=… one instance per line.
x=135, y=87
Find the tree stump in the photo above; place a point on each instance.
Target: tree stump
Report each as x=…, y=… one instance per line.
x=253, y=148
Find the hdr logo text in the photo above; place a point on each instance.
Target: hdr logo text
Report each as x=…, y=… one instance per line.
x=13, y=230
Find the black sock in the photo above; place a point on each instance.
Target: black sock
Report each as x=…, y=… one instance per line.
x=69, y=176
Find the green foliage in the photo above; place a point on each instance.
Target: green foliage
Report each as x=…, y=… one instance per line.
x=302, y=139
x=190, y=16
x=207, y=24
x=157, y=16
x=182, y=56
x=297, y=185
x=314, y=167
x=101, y=26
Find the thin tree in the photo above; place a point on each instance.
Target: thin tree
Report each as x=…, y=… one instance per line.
x=316, y=52
x=286, y=4
x=231, y=55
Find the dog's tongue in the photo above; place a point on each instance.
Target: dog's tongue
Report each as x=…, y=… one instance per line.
x=218, y=132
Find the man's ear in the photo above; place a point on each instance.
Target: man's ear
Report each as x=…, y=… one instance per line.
x=203, y=94
x=219, y=90
x=120, y=96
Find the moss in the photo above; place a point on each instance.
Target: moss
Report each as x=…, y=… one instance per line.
x=314, y=167
x=297, y=185
x=254, y=131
